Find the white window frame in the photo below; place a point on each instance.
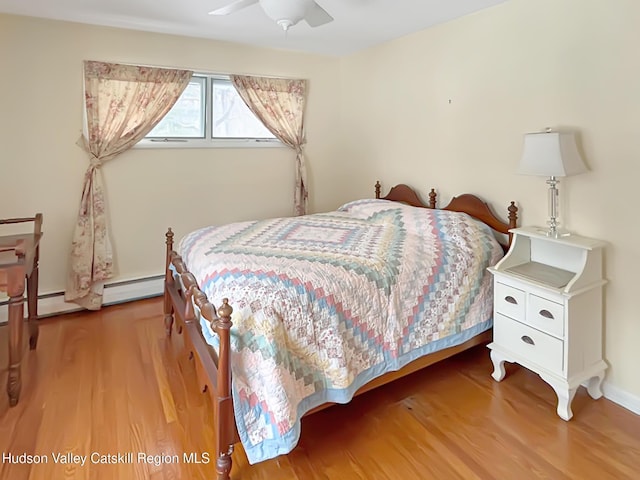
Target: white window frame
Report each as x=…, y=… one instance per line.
x=208, y=141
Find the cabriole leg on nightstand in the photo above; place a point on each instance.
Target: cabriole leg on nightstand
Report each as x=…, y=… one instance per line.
x=498, y=366
x=594, y=386
x=565, y=397
x=564, y=403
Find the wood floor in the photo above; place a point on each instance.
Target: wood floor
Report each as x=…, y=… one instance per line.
x=110, y=382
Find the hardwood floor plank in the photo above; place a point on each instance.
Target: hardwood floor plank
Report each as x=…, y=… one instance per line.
x=111, y=382
x=162, y=383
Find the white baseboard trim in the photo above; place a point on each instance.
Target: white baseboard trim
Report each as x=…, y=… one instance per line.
x=119, y=292
x=621, y=397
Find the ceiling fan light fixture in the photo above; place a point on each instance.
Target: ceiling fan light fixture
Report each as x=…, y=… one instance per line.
x=285, y=13
x=285, y=23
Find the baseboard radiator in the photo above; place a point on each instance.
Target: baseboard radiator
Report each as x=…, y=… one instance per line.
x=118, y=292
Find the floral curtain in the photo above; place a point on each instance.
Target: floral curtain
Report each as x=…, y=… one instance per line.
x=122, y=104
x=279, y=103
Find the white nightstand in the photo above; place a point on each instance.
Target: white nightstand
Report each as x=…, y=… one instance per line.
x=548, y=312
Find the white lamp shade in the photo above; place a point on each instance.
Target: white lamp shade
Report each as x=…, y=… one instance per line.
x=551, y=154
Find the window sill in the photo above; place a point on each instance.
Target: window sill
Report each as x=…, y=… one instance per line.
x=226, y=143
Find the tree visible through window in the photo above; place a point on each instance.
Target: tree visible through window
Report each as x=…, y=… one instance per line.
x=210, y=109
x=187, y=117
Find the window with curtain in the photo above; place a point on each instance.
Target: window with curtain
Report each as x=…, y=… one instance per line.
x=210, y=113
x=122, y=104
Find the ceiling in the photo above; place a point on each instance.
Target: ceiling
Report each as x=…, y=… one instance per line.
x=358, y=24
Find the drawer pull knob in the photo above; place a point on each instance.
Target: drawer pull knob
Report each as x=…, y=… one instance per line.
x=527, y=339
x=510, y=299
x=546, y=314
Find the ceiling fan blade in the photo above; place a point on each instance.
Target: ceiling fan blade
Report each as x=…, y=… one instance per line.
x=316, y=15
x=233, y=7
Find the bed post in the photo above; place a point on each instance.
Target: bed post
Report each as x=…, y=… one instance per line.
x=226, y=422
x=513, y=219
x=168, y=281
x=432, y=198
x=378, y=187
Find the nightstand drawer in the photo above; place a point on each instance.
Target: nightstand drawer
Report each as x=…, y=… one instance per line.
x=509, y=301
x=546, y=315
x=532, y=345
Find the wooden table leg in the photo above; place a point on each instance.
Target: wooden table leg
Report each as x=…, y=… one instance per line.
x=32, y=302
x=16, y=320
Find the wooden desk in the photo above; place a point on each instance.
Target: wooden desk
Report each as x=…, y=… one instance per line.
x=19, y=255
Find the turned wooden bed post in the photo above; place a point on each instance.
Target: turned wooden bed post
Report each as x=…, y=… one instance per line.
x=513, y=219
x=226, y=421
x=432, y=198
x=168, y=280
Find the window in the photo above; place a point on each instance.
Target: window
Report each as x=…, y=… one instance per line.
x=231, y=116
x=209, y=113
x=187, y=117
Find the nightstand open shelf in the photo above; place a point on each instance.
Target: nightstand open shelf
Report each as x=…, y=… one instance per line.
x=542, y=274
x=548, y=312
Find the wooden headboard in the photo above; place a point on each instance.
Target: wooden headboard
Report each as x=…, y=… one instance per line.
x=466, y=203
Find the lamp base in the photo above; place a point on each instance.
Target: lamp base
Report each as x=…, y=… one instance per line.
x=553, y=233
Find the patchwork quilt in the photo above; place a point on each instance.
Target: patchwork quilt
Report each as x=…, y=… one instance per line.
x=325, y=303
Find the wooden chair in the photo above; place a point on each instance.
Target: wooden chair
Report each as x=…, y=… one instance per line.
x=19, y=256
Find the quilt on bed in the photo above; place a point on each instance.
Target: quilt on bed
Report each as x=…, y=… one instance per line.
x=325, y=303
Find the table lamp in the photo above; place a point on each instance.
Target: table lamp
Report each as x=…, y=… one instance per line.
x=551, y=154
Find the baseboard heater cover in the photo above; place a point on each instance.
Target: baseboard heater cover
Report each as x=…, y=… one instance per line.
x=51, y=304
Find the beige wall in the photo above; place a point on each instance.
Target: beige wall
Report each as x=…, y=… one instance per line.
x=42, y=168
x=447, y=107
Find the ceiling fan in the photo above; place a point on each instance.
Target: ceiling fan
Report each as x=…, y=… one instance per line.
x=285, y=13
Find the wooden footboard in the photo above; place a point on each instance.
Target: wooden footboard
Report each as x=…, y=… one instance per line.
x=213, y=368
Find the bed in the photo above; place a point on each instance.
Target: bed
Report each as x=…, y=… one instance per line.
x=327, y=306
